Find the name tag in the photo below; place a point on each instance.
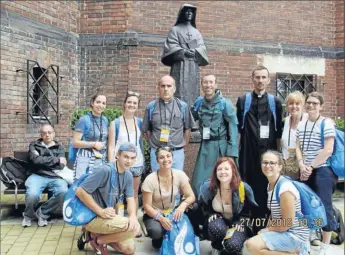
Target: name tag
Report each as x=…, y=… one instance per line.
x=164, y=137
x=206, y=133
x=167, y=211
x=264, y=132
x=292, y=150
x=229, y=233
x=120, y=209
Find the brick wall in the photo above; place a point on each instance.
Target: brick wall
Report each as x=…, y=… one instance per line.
x=61, y=14
x=298, y=22
x=41, y=32
x=339, y=41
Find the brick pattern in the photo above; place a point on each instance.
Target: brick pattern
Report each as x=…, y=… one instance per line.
x=16, y=48
x=104, y=16
x=339, y=37
x=297, y=22
x=61, y=14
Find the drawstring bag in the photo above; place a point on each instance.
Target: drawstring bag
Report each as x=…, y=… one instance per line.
x=180, y=240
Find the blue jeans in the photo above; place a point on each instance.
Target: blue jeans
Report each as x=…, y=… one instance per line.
x=178, y=160
x=35, y=185
x=323, y=181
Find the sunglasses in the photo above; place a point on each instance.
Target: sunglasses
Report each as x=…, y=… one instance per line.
x=131, y=93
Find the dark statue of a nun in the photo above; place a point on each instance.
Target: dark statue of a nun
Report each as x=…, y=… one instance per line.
x=185, y=51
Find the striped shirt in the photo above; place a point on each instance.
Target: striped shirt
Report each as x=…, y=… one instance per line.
x=310, y=138
x=298, y=228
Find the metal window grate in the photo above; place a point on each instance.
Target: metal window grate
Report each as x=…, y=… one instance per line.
x=287, y=83
x=42, y=93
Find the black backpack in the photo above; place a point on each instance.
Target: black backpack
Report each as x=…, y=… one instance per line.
x=338, y=236
x=13, y=172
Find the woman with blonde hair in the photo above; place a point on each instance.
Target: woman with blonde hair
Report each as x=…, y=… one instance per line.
x=294, y=106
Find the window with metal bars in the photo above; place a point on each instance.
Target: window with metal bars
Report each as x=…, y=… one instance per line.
x=287, y=83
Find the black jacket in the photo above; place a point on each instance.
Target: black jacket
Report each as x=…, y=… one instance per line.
x=44, y=160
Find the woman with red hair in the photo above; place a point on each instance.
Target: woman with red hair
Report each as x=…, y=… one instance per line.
x=222, y=199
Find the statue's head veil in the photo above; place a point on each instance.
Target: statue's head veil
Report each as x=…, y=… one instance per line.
x=181, y=17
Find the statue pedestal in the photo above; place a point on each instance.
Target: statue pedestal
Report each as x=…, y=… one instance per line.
x=191, y=152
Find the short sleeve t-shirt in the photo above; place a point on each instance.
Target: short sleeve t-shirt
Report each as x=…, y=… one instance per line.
x=98, y=182
x=151, y=185
x=91, y=127
x=310, y=138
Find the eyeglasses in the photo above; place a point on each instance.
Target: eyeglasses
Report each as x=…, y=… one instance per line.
x=131, y=93
x=312, y=103
x=271, y=163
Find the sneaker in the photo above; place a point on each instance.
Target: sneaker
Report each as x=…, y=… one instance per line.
x=315, y=240
x=41, y=221
x=26, y=222
x=215, y=251
x=157, y=243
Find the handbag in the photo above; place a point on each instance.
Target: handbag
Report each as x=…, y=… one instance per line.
x=291, y=168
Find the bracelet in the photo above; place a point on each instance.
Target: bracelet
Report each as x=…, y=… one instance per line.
x=158, y=215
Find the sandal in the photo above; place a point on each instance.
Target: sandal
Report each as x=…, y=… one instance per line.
x=99, y=248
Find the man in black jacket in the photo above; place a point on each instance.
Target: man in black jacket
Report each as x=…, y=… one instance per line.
x=46, y=155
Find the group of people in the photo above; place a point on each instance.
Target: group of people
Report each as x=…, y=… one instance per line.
x=234, y=178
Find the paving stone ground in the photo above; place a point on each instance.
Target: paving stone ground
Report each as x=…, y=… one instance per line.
x=60, y=239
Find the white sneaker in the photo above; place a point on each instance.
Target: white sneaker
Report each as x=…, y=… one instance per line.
x=26, y=222
x=314, y=238
x=42, y=222
x=324, y=249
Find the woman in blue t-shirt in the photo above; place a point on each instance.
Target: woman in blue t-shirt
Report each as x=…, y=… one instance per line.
x=90, y=136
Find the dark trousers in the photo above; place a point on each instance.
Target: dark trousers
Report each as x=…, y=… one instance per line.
x=154, y=229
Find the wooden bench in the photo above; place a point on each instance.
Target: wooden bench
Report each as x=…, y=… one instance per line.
x=24, y=155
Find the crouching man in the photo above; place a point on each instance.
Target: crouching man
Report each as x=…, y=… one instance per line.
x=110, y=227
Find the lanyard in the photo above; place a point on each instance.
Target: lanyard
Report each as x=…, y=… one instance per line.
x=136, y=131
x=290, y=129
x=165, y=115
x=311, y=132
x=273, y=194
x=214, y=108
x=99, y=128
x=120, y=190
x=172, y=188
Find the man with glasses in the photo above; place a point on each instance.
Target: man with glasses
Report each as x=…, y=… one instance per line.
x=46, y=156
x=259, y=117
x=167, y=121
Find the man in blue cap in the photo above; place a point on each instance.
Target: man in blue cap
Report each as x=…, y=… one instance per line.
x=111, y=227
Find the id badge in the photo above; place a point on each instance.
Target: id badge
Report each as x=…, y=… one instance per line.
x=165, y=132
x=292, y=150
x=120, y=209
x=229, y=233
x=167, y=211
x=264, y=131
x=206, y=131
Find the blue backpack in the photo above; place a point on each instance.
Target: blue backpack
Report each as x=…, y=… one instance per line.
x=75, y=212
x=180, y=240
x=271, y=104
x=336, y=161
x=117, y=128
x=182, y=105
x=200, y=100
x=313, y=211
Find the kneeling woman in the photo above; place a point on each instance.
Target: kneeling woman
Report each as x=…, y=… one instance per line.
x=160, y=192
x=283, y=234
x=222, y=200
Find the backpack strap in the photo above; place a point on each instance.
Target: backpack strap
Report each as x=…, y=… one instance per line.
x=277, y=188
x=151, y=107
x=182, y=105
x=272, y=105
x=117, y=128
x=198, y=103
x=247, y=103
x=241, y=192
x=140, y=124
x=322, y=132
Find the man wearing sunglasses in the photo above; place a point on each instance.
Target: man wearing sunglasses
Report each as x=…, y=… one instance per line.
x=167, y=121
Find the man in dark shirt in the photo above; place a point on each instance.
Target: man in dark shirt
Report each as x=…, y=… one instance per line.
x=46, y=156
x=259, y=130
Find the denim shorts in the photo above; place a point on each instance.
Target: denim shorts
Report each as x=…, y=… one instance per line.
x=284, y=241
x=323, y=182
